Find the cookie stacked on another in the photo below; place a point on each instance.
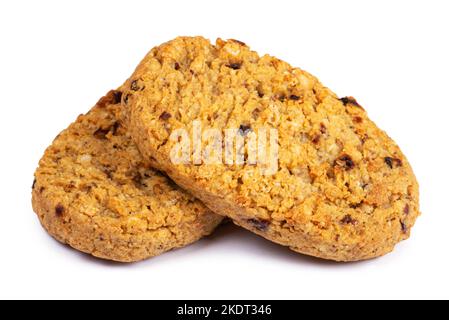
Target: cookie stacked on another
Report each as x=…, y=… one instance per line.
x=94, y=191
x=341, y=189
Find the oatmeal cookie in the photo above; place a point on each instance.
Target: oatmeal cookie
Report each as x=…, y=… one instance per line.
x=94, y=192
x=342, y=189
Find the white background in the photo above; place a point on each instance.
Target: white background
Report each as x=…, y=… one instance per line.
x=58, y=57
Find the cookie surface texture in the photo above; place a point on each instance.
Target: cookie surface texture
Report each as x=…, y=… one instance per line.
x=341, y=189
x=94, y=192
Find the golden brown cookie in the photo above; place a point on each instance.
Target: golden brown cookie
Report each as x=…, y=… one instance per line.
x=93, y=191
x=341, y=188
